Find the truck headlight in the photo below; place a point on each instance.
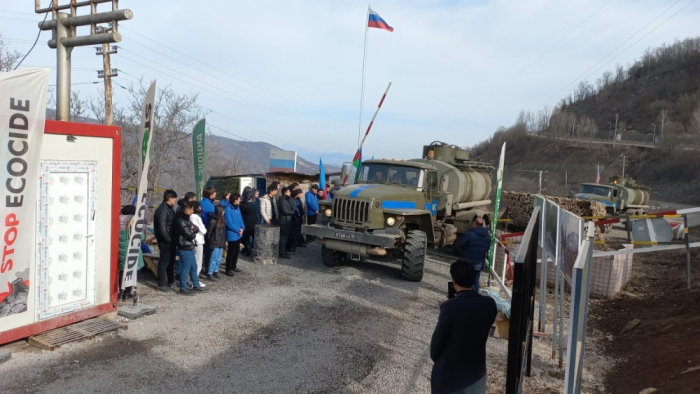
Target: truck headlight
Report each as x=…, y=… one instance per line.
x=328, y=213
x=390, y=221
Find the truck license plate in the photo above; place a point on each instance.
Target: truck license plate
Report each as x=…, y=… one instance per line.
x=350, y=237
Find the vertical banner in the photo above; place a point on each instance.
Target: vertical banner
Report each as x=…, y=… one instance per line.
x=22, y=117
x=198, y=137
x=496, y=203
x=138, y=224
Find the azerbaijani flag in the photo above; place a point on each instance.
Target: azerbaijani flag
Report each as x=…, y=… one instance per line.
x=356, y=163
x=377, y=21
x=597, y=175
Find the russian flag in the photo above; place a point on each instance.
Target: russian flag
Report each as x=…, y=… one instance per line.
x=376, y=21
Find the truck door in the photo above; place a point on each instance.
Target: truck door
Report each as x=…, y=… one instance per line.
x=432, y=192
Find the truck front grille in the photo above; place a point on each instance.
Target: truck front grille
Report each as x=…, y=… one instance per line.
x=350, y=211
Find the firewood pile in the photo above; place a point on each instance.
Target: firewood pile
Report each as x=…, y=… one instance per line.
x=519, y=207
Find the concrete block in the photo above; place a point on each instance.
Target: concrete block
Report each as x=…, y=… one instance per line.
x=132, y=312
x=5, y=355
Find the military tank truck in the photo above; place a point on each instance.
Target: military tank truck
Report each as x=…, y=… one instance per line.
x=620, y=195
x=400, y=208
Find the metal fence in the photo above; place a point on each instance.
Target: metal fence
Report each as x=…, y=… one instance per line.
x=523, y=307
x=578, y=314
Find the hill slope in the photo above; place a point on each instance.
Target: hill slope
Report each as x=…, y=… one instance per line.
x=663, y=86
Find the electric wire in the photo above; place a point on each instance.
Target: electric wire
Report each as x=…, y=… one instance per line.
x=33, y=45
x=558, y=94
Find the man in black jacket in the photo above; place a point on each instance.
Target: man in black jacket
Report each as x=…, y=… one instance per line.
x=458, y=346
x=163, y=223
x=287, y=208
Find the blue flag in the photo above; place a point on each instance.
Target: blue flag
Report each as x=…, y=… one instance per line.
x=322, y=178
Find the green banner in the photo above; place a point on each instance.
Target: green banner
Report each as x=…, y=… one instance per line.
x=198, y=153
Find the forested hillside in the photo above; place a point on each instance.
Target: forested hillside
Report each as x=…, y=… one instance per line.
x=660, y=91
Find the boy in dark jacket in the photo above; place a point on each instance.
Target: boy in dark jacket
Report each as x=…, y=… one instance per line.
x=186, y=232
x=474, y=246
x=287, y=207
x=216, y=241
x=249, y=212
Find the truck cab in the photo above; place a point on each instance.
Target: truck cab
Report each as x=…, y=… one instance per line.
x=606, y=194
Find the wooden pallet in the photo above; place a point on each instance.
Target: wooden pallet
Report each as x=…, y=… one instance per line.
x=87, y=329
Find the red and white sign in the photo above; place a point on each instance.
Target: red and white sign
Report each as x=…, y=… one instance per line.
x=22, y=117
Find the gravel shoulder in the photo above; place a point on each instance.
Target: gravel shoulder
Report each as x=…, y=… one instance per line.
x=294, y=327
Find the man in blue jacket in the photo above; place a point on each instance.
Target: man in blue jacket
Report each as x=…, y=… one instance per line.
x=208, y=206
x=474, y=246
x=311, y=208
x=234, y=233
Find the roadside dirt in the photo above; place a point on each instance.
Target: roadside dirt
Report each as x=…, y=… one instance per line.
x=663, y=350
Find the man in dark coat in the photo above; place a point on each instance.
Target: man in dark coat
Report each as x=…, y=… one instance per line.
x=163, y=225
x=458, y=345
x=474, y=246
x=287, y=208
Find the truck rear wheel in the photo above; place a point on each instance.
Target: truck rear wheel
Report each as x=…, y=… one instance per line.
x=414, y=256
x=330, y=257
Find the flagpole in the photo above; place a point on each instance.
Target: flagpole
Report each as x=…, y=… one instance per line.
x=362, y=88
x=369, y=127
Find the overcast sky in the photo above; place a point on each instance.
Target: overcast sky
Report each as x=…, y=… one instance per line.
x=289, y=72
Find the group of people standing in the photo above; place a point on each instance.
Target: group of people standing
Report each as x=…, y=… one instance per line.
x=197, y=231
x=289, y=212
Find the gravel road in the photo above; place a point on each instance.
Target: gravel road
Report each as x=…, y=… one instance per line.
x=294, y=327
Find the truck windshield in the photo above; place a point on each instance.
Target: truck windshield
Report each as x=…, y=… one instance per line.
x=394, y=174
x=595, y=189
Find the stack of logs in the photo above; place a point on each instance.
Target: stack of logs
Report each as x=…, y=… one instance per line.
x=519, y=207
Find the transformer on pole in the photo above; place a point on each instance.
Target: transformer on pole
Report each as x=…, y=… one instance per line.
x=63, y=24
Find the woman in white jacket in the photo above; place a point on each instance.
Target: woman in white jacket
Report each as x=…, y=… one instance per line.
x=196, y=219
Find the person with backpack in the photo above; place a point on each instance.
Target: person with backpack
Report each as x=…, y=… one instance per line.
x=186, y=233
x=216, y=241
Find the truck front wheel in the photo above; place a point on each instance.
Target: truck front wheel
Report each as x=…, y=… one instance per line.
x=414, y=256
x=330, y=257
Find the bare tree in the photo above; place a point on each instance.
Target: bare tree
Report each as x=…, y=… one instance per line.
x=8, y=58
x=78, y=107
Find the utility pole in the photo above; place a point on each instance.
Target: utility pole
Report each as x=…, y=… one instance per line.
x=609, y=130
x=623, y=165
x=653, y=138
x=64, y=26
x=663, y=118
x=616, y=117
x=107, y=73
x=540, y=176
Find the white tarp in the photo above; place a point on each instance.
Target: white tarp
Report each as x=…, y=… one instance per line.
x=22, y=117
